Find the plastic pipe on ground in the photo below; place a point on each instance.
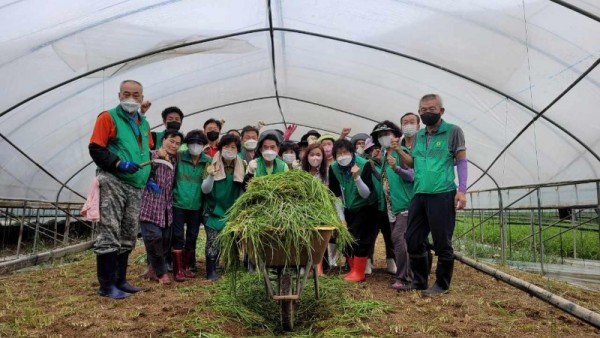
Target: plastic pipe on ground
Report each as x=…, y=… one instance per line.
x=569, y=307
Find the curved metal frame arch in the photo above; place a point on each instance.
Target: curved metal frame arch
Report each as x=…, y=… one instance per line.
x=272, y=29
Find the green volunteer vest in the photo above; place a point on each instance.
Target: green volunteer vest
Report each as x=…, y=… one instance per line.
x=126, y=147
x=187, y=192
x=351, y=198
x=378, y=186
x=220, y=199
x=434, y=164
x=401, y=192
x=261, y=167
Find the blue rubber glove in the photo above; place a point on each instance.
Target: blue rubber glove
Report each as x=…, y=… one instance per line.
x=152, y=187
x=128, y=167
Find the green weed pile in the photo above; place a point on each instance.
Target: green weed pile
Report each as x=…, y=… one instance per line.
x=282, y=209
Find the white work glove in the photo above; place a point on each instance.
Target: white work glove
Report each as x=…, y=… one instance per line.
x=296, y=165
x=251, y=167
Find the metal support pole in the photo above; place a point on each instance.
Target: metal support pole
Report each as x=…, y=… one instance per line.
x=55, y=226
x=36, y=235
x=21, y=229
x=502, y=230
x=573, y=221
x=598, y=210
x=67, y=225
x=474, y=236
x=509, y=237
x=541, y=236
x=532, y=246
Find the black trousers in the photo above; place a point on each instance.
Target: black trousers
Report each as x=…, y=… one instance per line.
x=433, y=213
x=186, y=226
x=361, y=224
x=383, y=224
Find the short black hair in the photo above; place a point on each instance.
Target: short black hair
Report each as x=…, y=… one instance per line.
x=229, y=139
x=172, y=133
x=235, y=130
x=249, y=129
x=170, y=110
x=287, y=145
x=196, y=135
x=211, y=120
x=413, y=114
x=342, y=144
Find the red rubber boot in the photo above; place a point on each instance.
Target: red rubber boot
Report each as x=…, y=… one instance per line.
x=357, y=274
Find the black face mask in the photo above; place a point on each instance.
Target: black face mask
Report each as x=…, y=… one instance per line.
x=430, y=118
x=212, y=135
x=173, y=125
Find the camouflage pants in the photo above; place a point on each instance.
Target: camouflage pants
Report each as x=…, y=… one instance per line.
x=119, y=215
x=211, y=250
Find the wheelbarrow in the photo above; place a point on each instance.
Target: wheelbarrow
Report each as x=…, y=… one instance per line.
x=281, y=272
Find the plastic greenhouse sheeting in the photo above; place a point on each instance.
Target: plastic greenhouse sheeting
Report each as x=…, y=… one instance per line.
x=520, y=77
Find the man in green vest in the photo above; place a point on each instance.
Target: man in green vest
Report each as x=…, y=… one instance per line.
x=437, y=150
x=120, y=142
x=188, y=200
x=172, y=118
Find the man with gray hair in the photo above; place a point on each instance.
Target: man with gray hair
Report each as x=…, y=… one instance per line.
x=437, y=150
x=120, y=142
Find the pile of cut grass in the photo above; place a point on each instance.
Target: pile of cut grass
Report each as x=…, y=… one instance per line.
x=281, y=210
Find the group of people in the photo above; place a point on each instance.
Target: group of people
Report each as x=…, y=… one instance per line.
x=398, y=180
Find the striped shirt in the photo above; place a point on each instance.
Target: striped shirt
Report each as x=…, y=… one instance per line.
x=155, y=207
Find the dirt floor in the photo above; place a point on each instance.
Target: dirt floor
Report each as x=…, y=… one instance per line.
x=61, y=301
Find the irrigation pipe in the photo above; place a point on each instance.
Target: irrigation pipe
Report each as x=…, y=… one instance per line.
x=569, y=307
x=20, y=263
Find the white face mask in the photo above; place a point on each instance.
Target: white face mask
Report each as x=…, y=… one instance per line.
x=195, y=149
x=360, y=150
x=269, y=155
x=315, y=161
x=228, y=155
x=130, y=105
x=385, y=141
x=289, y=158
x=344, y=160
x=409, y=130
x=250, y=144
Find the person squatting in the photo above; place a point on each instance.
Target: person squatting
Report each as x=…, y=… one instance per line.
x=398, y=180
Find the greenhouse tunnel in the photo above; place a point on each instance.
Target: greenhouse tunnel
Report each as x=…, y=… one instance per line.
x=520, y=77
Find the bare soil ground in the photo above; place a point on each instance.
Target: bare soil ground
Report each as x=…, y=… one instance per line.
x=61, y=301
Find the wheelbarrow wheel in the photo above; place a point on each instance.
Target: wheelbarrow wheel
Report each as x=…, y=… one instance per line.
x=287, y=306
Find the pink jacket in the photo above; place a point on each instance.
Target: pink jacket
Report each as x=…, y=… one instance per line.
x=91, y=208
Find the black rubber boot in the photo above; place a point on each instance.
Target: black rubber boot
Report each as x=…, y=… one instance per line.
x=193, y=263
x=211, y=269
x=106, y=266
x=419, y=265
x=121, y=279
x=443, y=276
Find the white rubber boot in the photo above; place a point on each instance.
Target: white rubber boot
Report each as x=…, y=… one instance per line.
x=332, y=256
x=369, y=267
x=391, y=266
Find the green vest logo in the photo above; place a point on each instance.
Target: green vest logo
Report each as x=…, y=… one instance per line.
x=438, y=144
